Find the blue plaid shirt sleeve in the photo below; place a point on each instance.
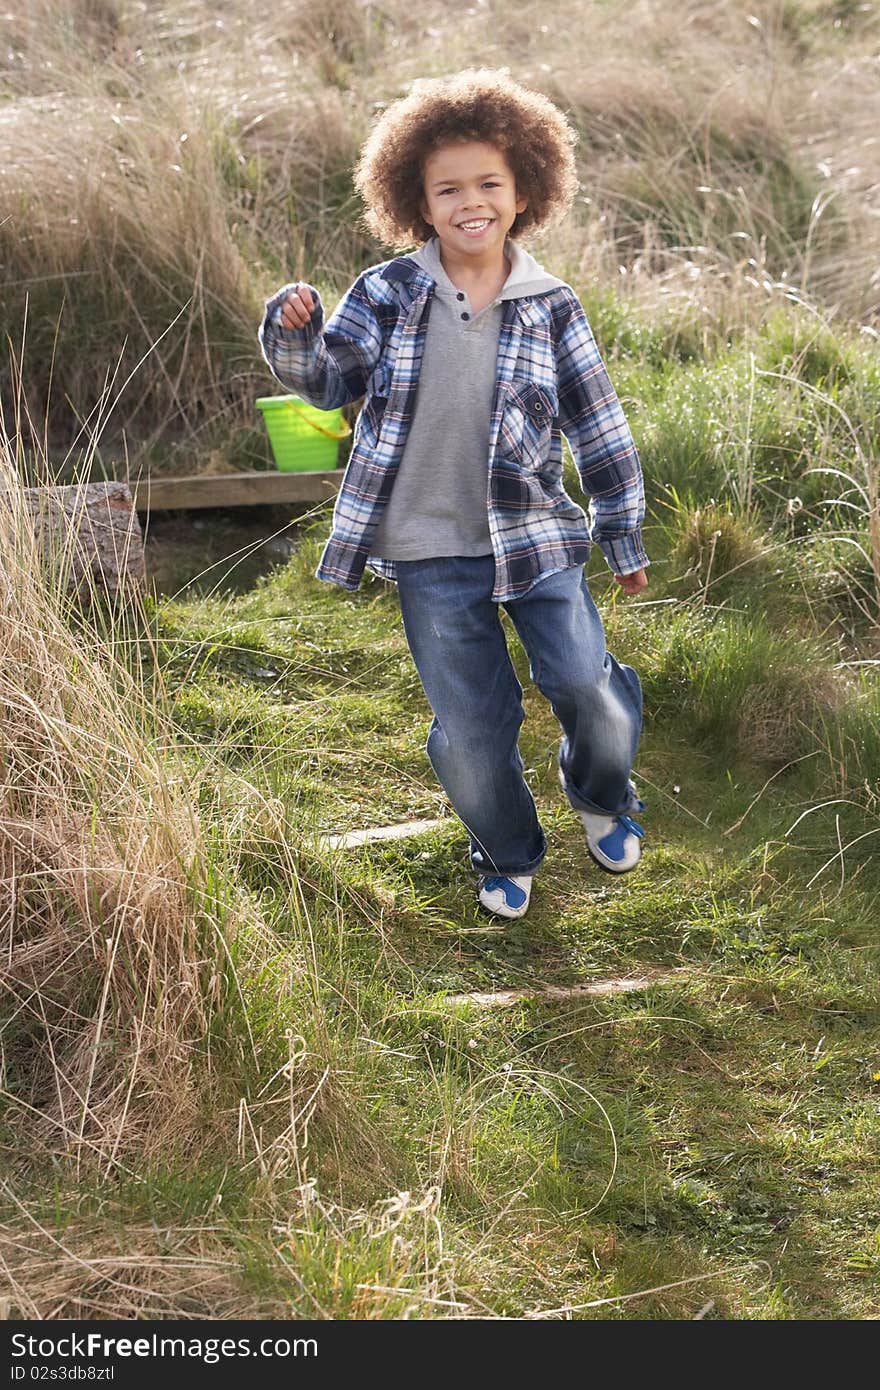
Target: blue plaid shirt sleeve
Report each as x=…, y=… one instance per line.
x=328, y=365
x=603, y=449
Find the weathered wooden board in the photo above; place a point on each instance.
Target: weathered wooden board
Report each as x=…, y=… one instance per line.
x=589, y=989
x=234, y=490
x=352, y=839
x=88, y=534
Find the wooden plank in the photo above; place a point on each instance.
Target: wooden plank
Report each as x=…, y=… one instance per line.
x=234, y=490
x=354, y=838
x=595, y=989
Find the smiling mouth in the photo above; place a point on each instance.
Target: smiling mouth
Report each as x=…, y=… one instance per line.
x=477, y=225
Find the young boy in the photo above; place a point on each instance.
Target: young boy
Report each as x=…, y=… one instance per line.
x=474, y=361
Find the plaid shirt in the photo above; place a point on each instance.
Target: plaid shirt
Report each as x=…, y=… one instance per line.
x=550, y=381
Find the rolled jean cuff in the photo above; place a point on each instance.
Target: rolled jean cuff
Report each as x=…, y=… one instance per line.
x=479, y=867
x=582, y=803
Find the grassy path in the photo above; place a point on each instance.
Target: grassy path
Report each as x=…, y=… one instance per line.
x=587, y=1145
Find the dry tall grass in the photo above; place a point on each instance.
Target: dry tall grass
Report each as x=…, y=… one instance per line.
x=143, y=1273
x=131, y=952
x=165, y=167
x=109, y=960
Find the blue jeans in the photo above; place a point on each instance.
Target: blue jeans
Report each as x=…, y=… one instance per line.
x=457, y=642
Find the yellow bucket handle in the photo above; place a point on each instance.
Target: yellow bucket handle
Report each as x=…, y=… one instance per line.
x=342, y=433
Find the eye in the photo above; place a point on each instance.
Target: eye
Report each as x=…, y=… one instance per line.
x=490, y=183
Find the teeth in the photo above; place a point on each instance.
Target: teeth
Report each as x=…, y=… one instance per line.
x=472, y=226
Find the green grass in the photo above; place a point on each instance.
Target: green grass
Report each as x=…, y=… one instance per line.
x=340, y=1136
x=717, y=1123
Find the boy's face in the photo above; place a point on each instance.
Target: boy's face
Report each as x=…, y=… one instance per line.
x=470, y=183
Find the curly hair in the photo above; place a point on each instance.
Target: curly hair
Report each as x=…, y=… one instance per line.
x=482, y=104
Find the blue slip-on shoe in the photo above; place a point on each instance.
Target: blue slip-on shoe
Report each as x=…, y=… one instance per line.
x=506, y=895
x=614, y=842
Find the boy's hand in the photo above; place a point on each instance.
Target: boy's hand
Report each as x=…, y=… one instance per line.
x=296, y=307
x=632, y=583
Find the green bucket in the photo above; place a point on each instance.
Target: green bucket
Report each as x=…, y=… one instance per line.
x=303, y=438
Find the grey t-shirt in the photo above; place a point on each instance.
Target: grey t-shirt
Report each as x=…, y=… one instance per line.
x=439, y=503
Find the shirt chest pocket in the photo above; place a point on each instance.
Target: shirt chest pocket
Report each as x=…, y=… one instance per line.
x=378, y=390
x=527, y=423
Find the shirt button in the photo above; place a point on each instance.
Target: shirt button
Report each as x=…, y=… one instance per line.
x=465, y=316
x=459, y=296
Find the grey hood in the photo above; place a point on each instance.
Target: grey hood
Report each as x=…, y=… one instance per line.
x=526, y=276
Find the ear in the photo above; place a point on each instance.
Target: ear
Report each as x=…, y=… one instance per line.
x=423, y=209
x=521, y=204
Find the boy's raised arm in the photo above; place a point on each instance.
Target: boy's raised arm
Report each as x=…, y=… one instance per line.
x=604, y=452
x=327, y=365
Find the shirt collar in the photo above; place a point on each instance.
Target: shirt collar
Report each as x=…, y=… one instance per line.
x=526, y=275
